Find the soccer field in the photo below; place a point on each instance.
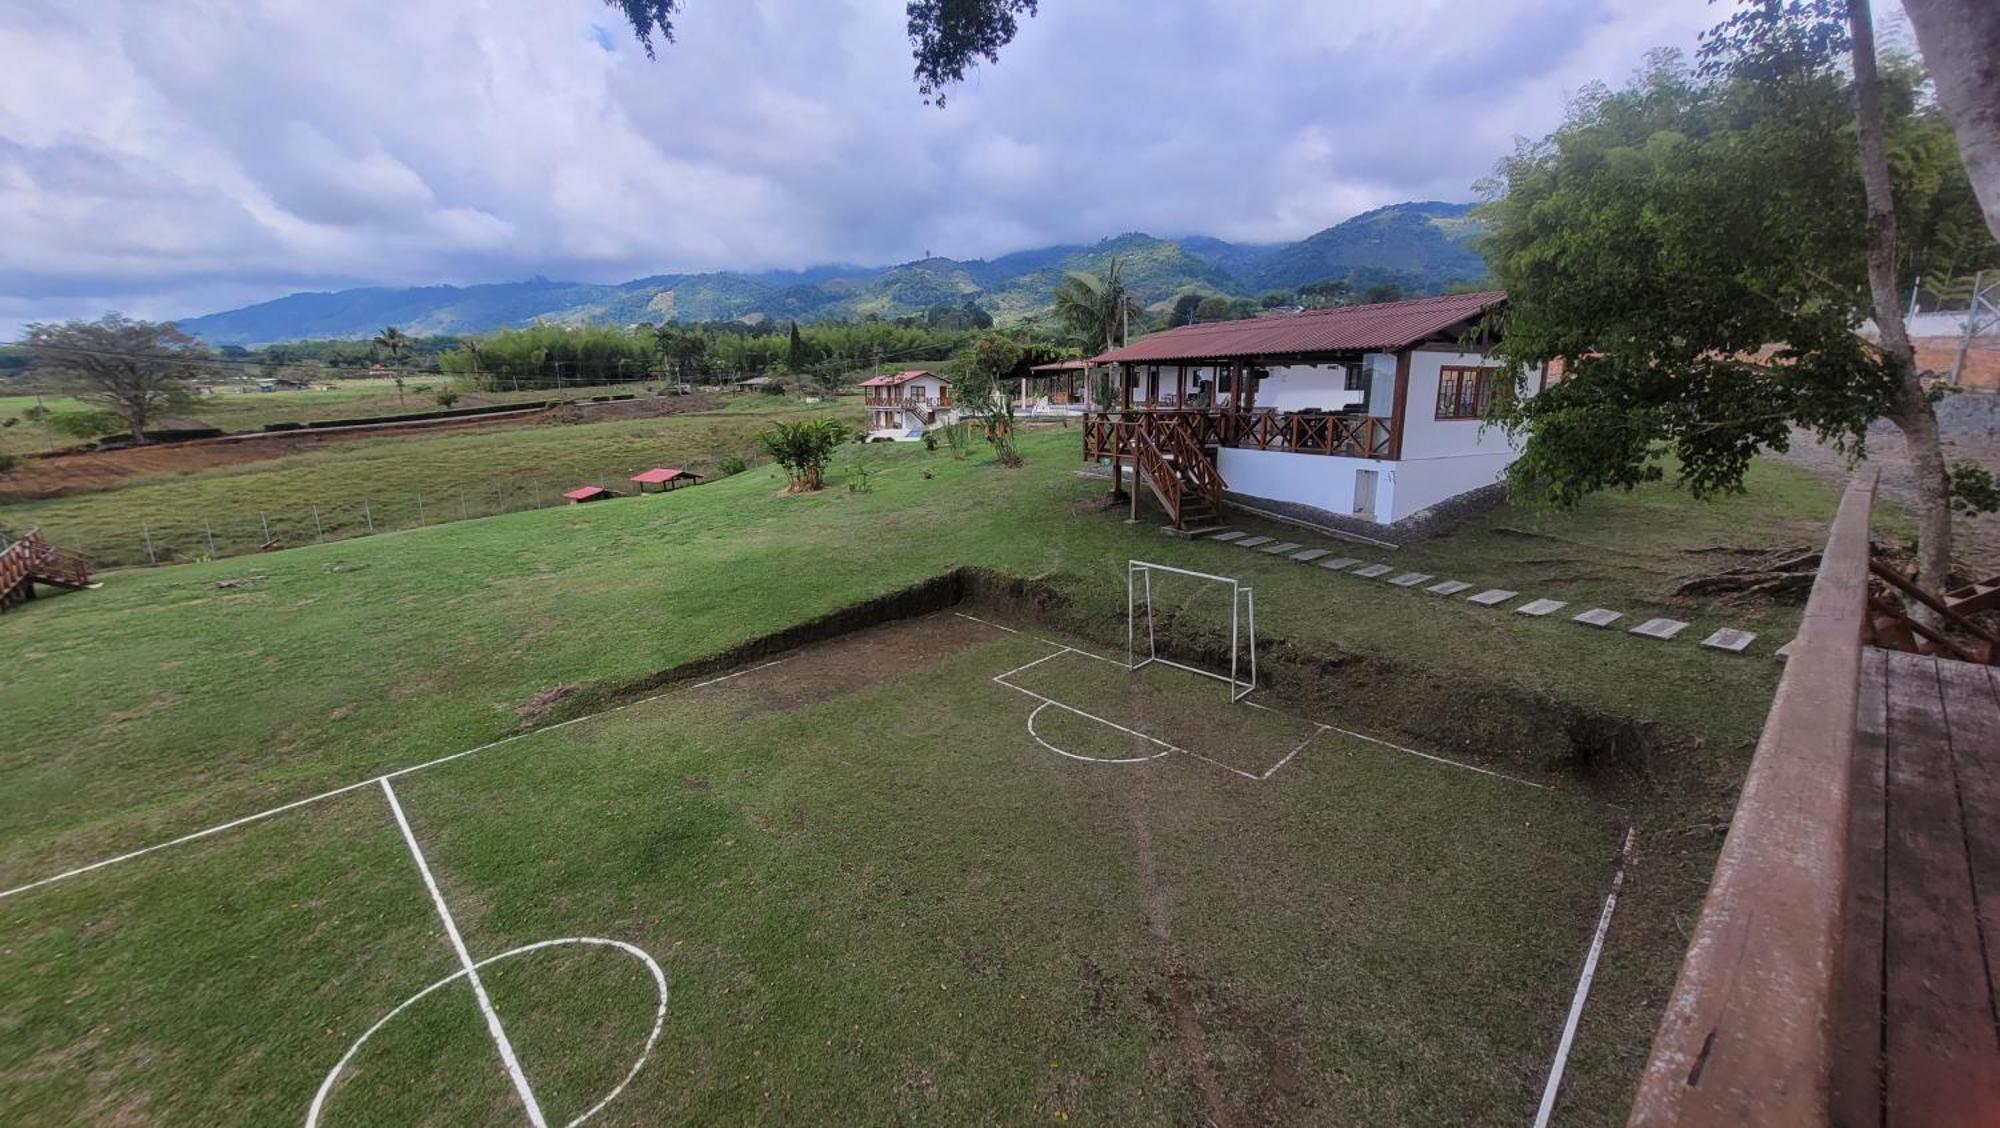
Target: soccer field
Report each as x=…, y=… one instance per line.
x=940, y=870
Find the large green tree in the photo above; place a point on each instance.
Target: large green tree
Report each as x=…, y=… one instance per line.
x=133, y=369
x=947, y=37
x=1695, y=249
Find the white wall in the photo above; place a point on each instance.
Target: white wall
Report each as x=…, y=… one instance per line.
x=1427, y=436
x=1319, y=480
x=1293, y=387
x=1423, y=483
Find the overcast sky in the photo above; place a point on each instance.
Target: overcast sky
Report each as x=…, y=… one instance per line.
x=172, y=157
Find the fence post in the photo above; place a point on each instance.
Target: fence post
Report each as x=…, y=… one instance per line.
x=463, y=512
x=538, y=493
x=210, y=530
x=148, y=534
x=368, y=516
x=318, y=532
x=267, y=527
x=420, y=507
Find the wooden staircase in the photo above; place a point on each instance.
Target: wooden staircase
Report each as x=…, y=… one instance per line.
x=33, y=560
x=1182, y=476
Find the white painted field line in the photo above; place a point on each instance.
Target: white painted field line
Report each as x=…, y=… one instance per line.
x=345, y=788
x=1273, y=769
x=988, y=622
x=1442, y=760
x=1037, y=711
x=1583, y=988
x=471, y=969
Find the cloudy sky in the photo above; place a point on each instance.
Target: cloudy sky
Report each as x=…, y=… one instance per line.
x=171, y=157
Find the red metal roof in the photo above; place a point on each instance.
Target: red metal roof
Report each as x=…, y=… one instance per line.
x=584, y=493
x=1062, y=366
x=903, y=377
x=660, y=474
x=1384, y=327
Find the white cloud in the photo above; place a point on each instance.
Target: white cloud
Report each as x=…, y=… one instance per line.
x=168, y=156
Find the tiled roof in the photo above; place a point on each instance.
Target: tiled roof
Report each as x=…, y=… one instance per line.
x=1387, y=326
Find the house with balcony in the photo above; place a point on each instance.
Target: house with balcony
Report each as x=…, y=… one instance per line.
x=1369, y=414
x=904, y=405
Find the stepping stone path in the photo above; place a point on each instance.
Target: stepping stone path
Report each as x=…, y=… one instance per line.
x=1726, y=639
x=1662, y=629
x=1730, y=639
x=1784, y=653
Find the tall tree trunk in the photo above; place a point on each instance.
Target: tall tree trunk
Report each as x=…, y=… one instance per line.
x=1960, y=40
x=1911, y=411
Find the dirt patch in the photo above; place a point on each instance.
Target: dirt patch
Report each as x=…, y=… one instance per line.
x=1975, y=540
x=695, y=783
x=852, y=663
x=538, y=706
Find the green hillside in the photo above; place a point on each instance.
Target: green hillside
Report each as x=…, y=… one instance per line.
x=1421, y=246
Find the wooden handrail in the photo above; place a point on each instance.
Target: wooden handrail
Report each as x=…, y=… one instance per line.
x=1748, y=1036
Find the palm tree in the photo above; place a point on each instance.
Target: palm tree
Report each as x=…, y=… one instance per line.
x=473, y=351
x=1098, y=309
x=393, y=341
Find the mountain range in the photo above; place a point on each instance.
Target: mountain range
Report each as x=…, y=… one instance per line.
x=1421, y=247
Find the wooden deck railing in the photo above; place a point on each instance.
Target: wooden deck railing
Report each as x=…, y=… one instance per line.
x=1303, y=432
x=1749, y=1033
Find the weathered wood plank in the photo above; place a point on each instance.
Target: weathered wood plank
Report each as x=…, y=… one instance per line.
x=1857, y=1072
x=1942, y=1059
x=1749, y=1032
x=1972, y=714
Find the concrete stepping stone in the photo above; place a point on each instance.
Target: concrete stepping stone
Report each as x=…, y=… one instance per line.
x=1372, y=571
x=1731, y=640
x=1784, y=653
x=1449, y=587
x=1541, y=607
x=1253, y=542
x=1281, y=546
x=1310, y=555
x=1340, y=564
x=1598, y=617
x=1662, y=629
x=1492, y=597
x=1412, y=579
x=1229, y=535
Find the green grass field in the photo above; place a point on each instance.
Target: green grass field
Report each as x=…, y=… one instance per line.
x=392, y=482
x=880, y=847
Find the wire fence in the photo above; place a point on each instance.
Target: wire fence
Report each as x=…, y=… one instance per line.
x=185, y=537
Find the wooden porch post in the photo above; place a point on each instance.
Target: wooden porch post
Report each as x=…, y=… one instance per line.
x=1402, y=404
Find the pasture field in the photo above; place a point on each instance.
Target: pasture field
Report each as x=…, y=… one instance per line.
x=867, y=833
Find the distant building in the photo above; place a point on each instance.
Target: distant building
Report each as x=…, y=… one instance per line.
x=905, y=405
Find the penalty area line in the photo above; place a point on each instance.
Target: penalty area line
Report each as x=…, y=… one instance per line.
x=1554, y=1085
x=493, y=1026
x=398, y=773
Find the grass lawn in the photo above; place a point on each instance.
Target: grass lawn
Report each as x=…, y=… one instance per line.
x=162, y=704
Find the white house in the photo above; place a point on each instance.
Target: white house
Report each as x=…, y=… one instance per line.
x=906, y=404
x=1361, y=413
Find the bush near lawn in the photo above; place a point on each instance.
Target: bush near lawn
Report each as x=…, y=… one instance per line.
x=163, y=703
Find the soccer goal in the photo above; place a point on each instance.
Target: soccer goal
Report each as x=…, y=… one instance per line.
x=1140, y=595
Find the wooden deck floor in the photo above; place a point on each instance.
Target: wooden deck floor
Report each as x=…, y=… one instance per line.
x=1919, y=1033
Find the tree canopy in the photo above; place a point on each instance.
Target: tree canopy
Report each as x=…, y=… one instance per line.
x=947, y=37
x=133, y=369
x=1693, y=249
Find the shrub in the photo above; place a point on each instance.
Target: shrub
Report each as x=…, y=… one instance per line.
x=81, y=424
x=447, y=397
x=772, y=389
x=8, y=462
x=733, y=464
x=802, y=448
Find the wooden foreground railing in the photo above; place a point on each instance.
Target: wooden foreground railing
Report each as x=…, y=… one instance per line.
x=1749, y=1033
x=1106, y=433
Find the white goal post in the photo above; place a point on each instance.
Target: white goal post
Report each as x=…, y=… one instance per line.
x=1242, y=625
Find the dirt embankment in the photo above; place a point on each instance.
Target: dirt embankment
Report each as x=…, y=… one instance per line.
x=94, y=471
